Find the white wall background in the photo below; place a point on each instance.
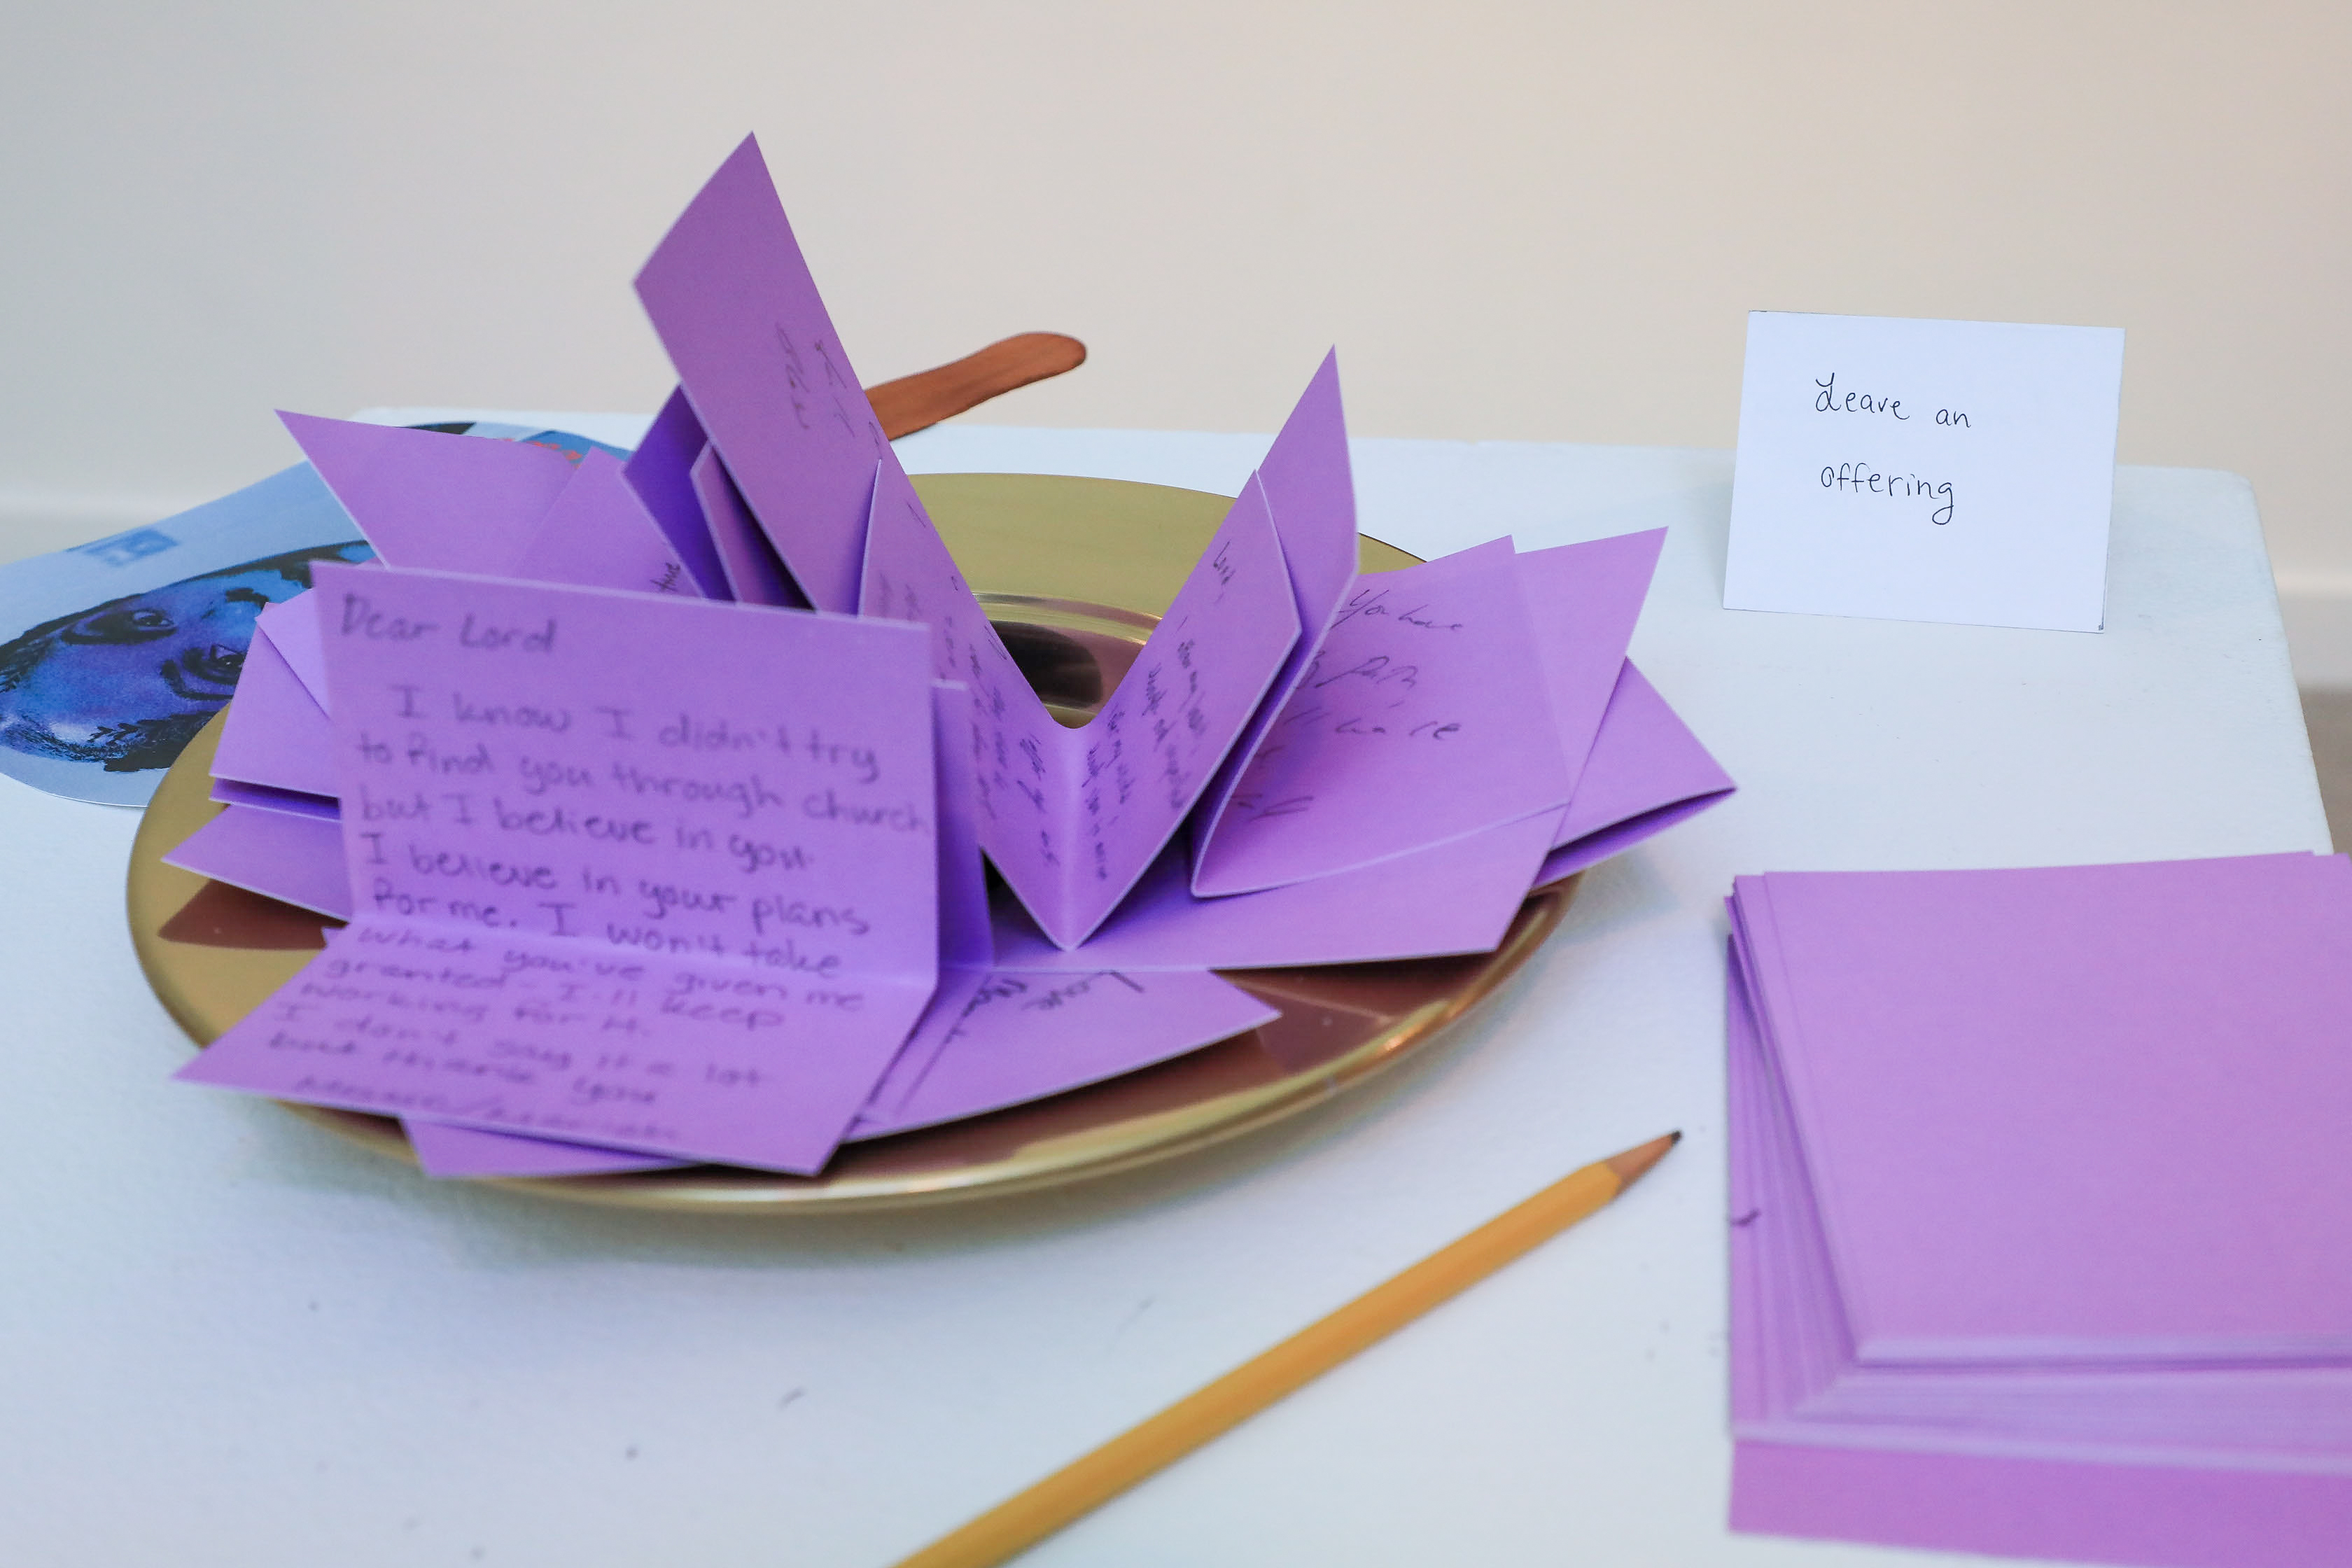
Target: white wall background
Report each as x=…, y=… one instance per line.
x=1538, y=221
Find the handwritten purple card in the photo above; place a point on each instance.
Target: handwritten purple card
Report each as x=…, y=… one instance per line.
x=661, y=471
x=598, y=534
x=1019, y=1038
x=1308, y=487
x=1408, y=729
x=452, y=503
x=1582, y=601
x=964, y=954
x=957, y=990
x=1072, y=817
x=1645, y=771
x=593, y=906
x=732, y=299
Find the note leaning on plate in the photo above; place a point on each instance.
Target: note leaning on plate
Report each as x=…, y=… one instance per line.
x=545, y=838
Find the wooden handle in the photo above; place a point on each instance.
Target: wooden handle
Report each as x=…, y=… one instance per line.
x=917, y=402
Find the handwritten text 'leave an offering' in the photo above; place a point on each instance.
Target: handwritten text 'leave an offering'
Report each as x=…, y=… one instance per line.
x=1925, y=470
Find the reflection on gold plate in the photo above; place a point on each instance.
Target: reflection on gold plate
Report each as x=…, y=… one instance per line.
x=1076, y=573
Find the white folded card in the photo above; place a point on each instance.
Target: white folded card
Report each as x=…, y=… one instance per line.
x=1925, y=470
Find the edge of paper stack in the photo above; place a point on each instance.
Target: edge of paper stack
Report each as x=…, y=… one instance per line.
x=657, y=791
x=2041, y=1243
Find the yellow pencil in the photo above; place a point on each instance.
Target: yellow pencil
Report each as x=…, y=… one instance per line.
x=1020, y=1523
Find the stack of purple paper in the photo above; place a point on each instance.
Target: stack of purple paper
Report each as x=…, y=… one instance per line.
x=657, y=791
x=2041, y=1209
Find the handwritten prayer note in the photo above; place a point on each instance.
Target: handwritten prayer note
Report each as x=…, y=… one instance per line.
x=1306, y=487
x=1408, y=729
x=629, y=869
x=1925, y=470
x=1017, y=1037
x=1072, y=817
x=732, y=299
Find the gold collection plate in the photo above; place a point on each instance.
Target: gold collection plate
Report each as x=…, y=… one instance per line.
x=1075, y=571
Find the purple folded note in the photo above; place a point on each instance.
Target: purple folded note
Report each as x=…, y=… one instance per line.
x=732, y=300
x=1307, y=487
x=452, y=503
x=447, y=1151
x=1072, y=817
x=292, y=803
x=1405, y=732
x=661, y=470
x=275, y=734
x=293, y=627
x=298, y=859
x=1019, y=1037
x=1645, y=772
x=598, y=534
x=1456, y=898
x=755, y=574
x=596, y=906
x=1323, y=779
x=958, y=988
x=964, y=954
x=967, y=947
x=1582, y=601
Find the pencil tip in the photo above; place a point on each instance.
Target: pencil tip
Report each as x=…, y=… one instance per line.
x=1631, y=1165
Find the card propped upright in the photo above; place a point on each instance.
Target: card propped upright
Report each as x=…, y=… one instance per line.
x=1925, y=470
x=1072, y=817
x=731, y=298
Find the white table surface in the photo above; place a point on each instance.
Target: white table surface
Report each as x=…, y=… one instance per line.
x=227, y=1338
